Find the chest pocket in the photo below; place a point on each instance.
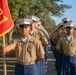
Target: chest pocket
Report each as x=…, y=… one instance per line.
x=19, y=46
x=73, y=44
x=30, y=47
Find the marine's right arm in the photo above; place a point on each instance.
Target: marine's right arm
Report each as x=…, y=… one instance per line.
x=59, y=46
x=7, y=48
x=40, y=51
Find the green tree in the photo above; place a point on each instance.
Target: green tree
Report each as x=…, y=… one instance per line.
x=43, y=9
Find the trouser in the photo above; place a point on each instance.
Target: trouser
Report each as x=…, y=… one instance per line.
x=46, y=52
x=26, y=70
x=44, y=60
x=58, y=62
x=39, y=66
x=68, y=65
x=43, y=66
x=52, y=45
x=55, y=54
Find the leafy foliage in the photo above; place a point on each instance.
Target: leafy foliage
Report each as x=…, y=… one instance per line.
x=43, y=9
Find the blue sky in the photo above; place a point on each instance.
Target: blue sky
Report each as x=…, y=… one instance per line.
x=71, y=13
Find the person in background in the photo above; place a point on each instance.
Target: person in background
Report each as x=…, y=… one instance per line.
x=74, y=31
x=67, y=46
x=41, y=37
x=41, y=28
x=61, y=33
x=37, y=33
x=66, y=19
x=56, y=53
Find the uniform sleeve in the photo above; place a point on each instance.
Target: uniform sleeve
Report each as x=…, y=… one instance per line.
x=55, y=37
x=43, y=38
x=46, y=34
x=13, y=44
x=40, y=50
x=59, y=45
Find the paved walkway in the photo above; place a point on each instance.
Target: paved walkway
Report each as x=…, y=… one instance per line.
x=50, y=68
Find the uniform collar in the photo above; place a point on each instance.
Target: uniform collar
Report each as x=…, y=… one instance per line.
x=35, y=32
x=29, y=38
x=71, y=39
